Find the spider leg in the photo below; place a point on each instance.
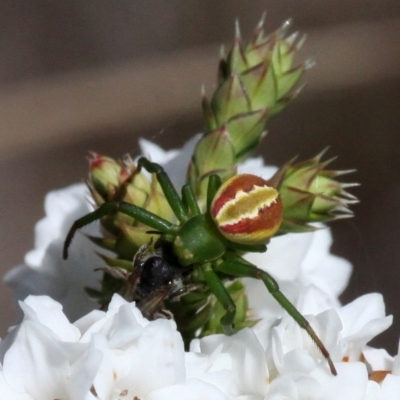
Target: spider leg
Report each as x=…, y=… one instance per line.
x=214, y=182
x=138, y=213
x=245, y=269
x=168, y=188
x=218, y=289
x=189, y=199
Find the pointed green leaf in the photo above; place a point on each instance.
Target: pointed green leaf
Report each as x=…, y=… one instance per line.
x=214, y=154
x=288, y=80
x=253, y=124
x=290, y=225
x=236, y=60
x=230, y=99
x=210, y=122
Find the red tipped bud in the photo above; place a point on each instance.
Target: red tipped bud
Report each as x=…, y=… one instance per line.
x=104, y=175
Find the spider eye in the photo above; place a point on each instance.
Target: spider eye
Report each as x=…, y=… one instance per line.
x=247, y=210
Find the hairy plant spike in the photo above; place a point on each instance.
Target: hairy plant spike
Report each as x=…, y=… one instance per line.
x=255, y=82
x=310, y=193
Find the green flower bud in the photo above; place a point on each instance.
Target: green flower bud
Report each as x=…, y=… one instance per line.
x=216, y=147
x=310, y=193
x=104, y=177
x=237, y=292
x=255, y=81
x=111, y=180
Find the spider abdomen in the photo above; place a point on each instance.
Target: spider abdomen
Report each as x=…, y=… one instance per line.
x=247, y=209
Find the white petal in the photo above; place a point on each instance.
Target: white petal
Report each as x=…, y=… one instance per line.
x=49, y=274
x=391, y=387
x=318, y=264
x=42, y=356
x=241, y=354
x=193, y=389
x=61, y=206
x=363, y=319
x=83, y=372
x=213, y=369
x=7, y=392
x=46, y=311
x=36, y=363
x=256, y=166
x=111, y=367
x=374, y=391
x=350, y=382
x=284, y=256
x=154, y=152
x=176, y=167
x=153, y=361
x=294, y=387
x=119, y=325
x=378, y=359
x=396, y=363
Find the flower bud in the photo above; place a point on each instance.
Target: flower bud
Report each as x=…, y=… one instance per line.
x=256, y=80
x=111, y=180
x=310, y=193
x=104, y=173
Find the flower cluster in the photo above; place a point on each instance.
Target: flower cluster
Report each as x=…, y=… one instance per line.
x=117, y=354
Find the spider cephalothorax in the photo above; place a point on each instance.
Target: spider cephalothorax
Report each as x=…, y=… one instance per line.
x=241, y=215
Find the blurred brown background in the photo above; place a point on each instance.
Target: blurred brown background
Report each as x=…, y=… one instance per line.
x=88, y=75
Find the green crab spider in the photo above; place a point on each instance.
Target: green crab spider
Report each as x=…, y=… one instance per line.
x=207, y=241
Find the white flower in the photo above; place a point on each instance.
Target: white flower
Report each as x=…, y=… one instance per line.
x=385, y=382
x=118, y=354
x=281, y=360
x=236, y=364
x=42, y=358
x=105, y=355
x=44, y=271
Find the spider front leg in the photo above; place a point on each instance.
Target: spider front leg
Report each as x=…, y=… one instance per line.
x=168, y=188
x=245, y=269
x=138, y=213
